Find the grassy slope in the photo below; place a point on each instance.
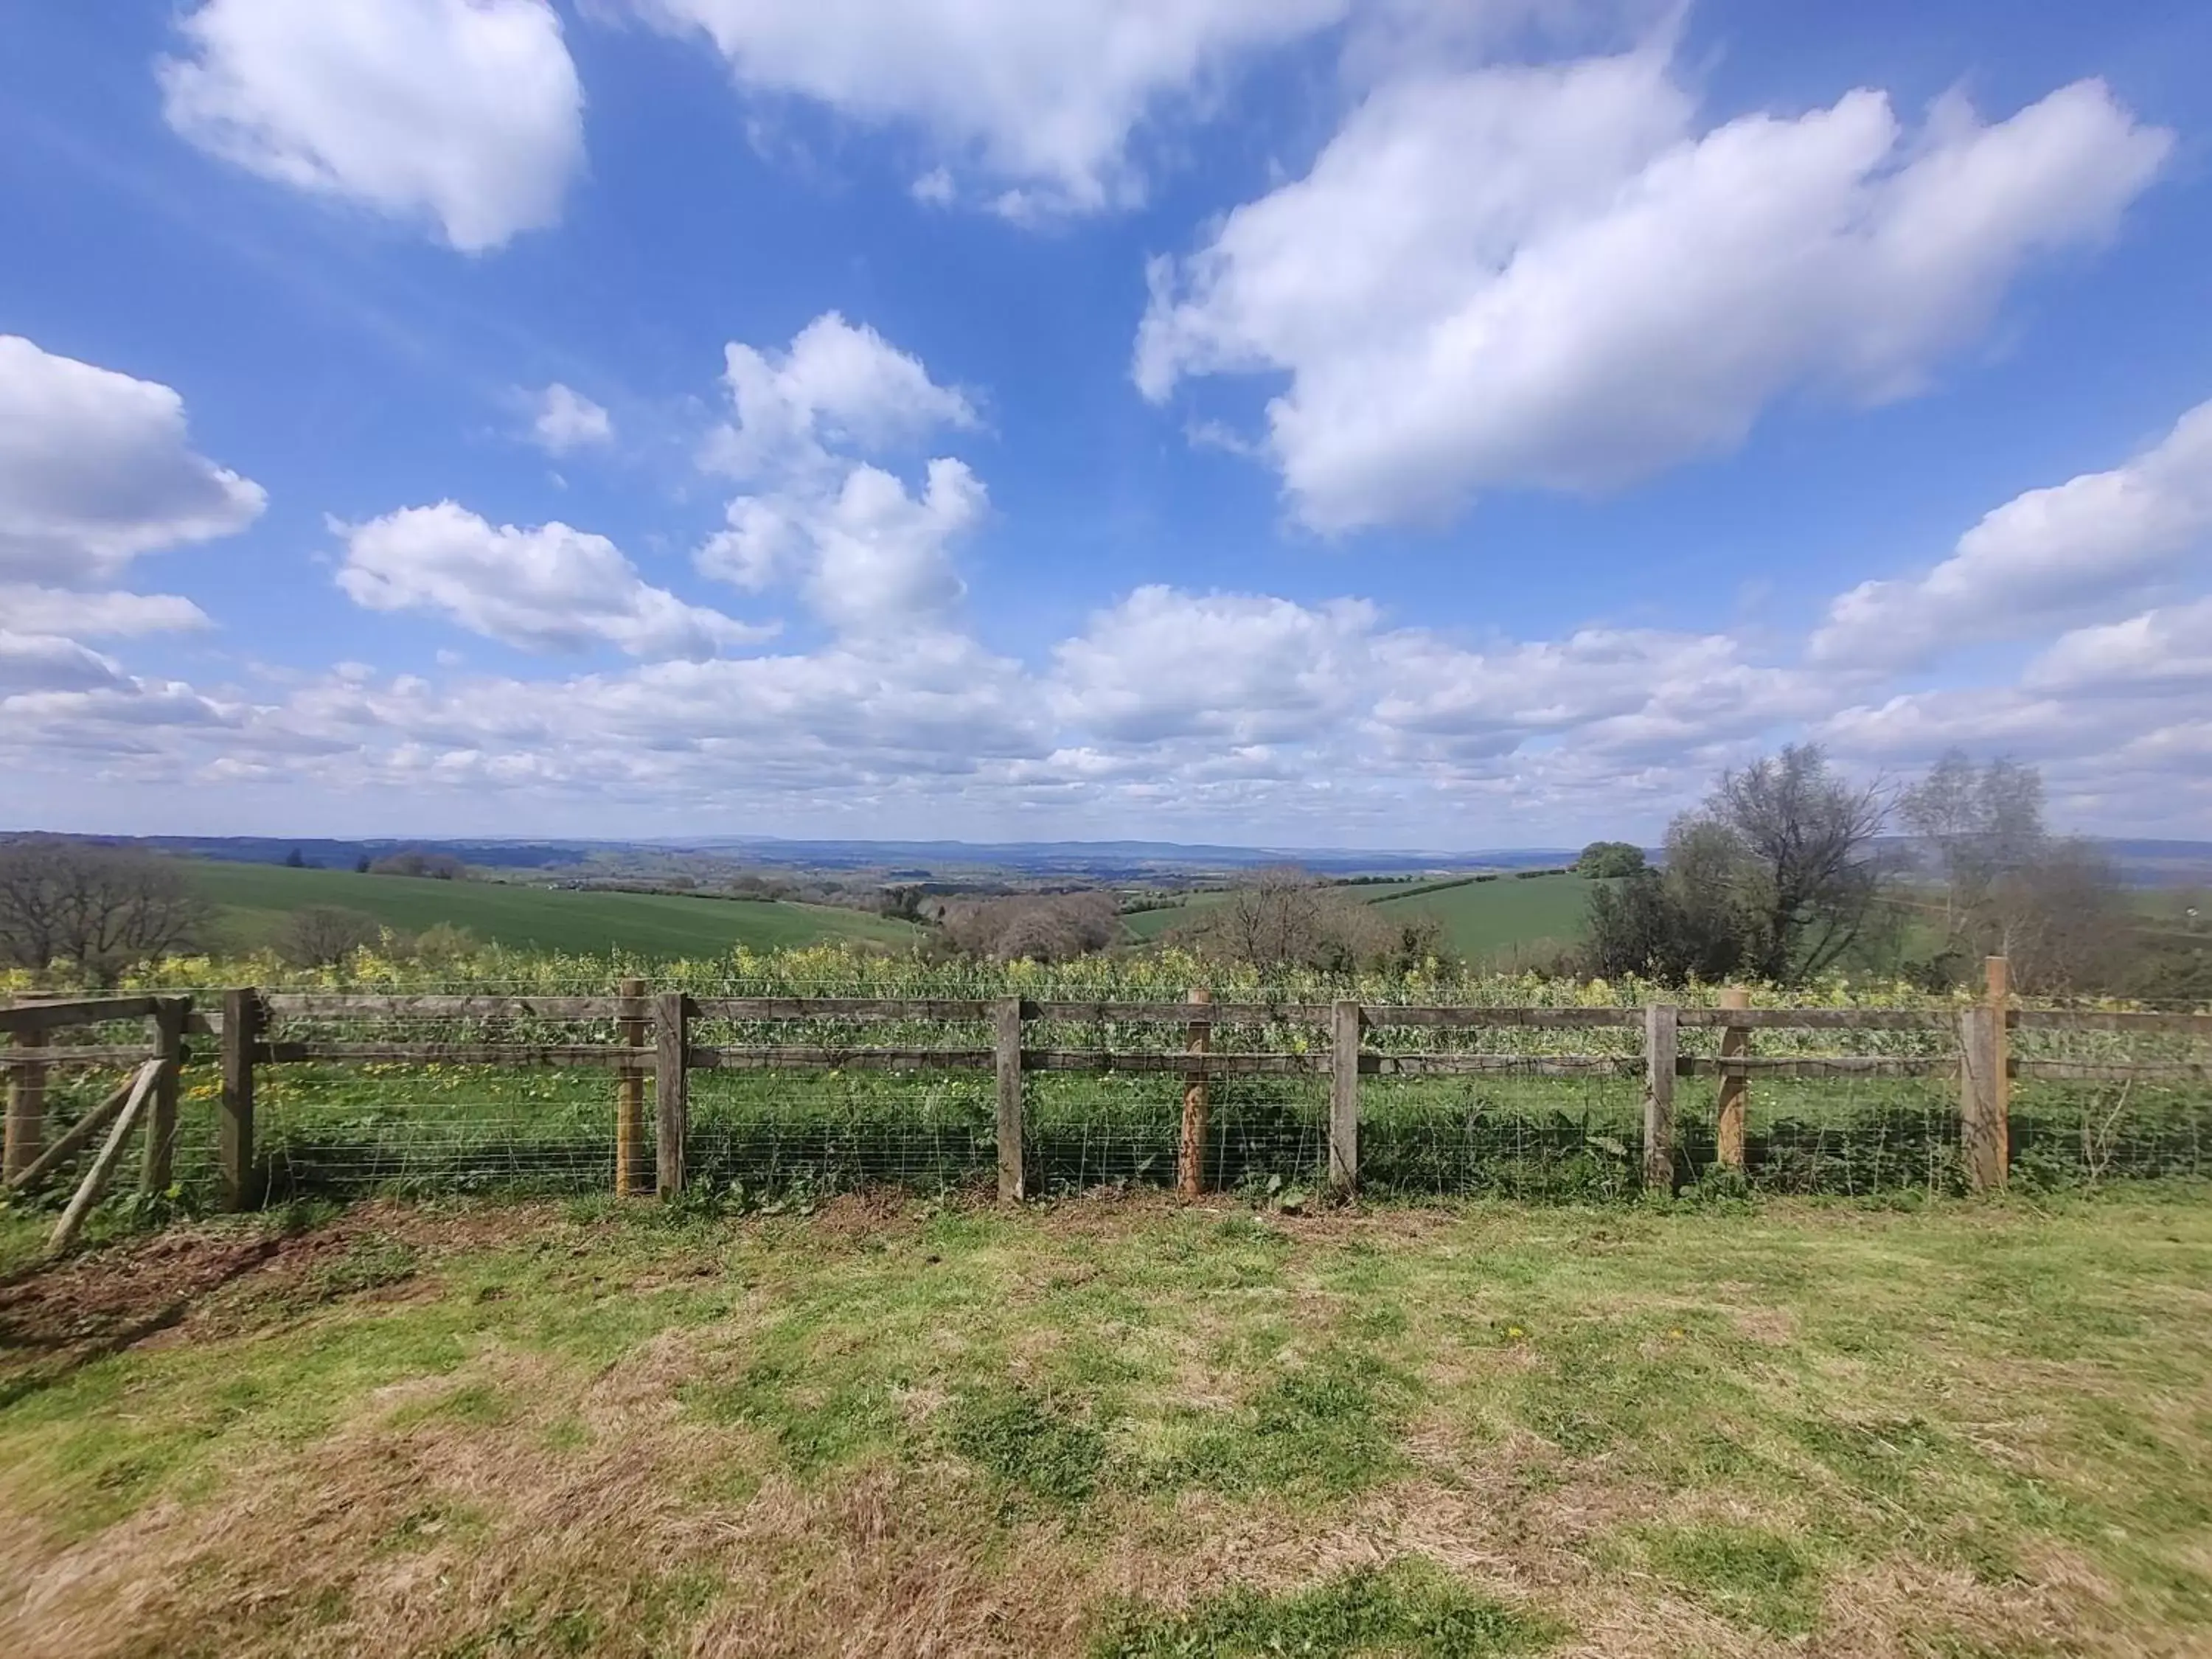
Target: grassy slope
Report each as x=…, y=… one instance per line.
x=1490, y=916
x=1129, y=1430
x=254, y=899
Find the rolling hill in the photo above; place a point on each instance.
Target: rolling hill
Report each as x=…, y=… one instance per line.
x=253, y=900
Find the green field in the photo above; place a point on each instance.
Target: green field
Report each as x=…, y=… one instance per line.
x=1479, y=918
x=1119, y=1429
x=1483, y=917
x=252, y=900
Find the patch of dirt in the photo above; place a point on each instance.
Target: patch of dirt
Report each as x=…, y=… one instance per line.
x=229, y=1274
x=63, y=1316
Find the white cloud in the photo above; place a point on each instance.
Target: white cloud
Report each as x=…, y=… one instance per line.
x=31, y=662
x=563, y=419
x=1550, y=276
x=1238, y=667
x=1041, y=98
x=464, y=112
x=2092, y=544
x=2160, y=652
x=72, y=610
x=837, y=385
x=551, y=588
x=94, y=469
x=872, y=558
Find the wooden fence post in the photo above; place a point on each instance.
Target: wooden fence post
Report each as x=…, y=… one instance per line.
x=242, y=1030
x=1344, y=1100
x=672, y=1094
x=1985, y=1051
x=1190, y=1158
x=1006, y=1054
x=1660, y=1048
x=629, y=1094
x=159, y=1166
x=1998, y=985
x=26, y=1108
x=1735, y=1043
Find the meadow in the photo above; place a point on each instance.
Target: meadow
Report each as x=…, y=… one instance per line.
x=1120, y=1428
x=252, y=900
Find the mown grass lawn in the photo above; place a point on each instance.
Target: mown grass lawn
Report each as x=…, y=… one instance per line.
x=1118, y=1427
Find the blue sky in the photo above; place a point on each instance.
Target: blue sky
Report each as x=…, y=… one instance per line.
x=1300, y=422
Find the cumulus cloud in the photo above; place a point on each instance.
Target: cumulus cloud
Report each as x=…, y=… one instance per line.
x=99, y=616
x=465, y=113
x=2094, y=542
x=1239, y=667
x=563, y=420
x=95, y=471
x=2166, y=650
x=1553, y=276
x=551, y=588
x=1034, y=101
x=42, y=662
x=871, y=557
x=837, y=386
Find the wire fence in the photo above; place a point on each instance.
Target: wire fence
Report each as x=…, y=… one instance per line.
x=342, y=1127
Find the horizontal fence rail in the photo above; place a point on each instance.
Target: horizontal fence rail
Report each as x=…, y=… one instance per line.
x=1209, y=1046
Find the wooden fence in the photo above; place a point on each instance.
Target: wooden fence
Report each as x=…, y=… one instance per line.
x=654, y=1037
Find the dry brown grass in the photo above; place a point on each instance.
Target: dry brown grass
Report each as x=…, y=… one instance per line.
x=551, y=1474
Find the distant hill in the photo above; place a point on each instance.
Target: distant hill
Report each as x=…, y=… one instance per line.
x=251, y=902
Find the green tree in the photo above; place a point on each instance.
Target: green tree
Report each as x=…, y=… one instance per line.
x=1607, y=860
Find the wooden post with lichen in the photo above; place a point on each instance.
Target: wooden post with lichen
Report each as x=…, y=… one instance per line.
x=158, y=1169
x=1190, y=1156
x=1006, y=1057
x=1344, y=1100
x=1735, y=1044
x=1985, y=1053
x=1661, y=1047
x=27, y=1107
x=671, y=1030
x=629, y=1095
x=238, y=1172
x=1998, y=989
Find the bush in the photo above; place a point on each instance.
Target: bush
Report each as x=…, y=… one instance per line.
x=325, y=936
x=1606, y=859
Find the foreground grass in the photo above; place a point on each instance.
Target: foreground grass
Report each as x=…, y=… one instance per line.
x=1120, y=1429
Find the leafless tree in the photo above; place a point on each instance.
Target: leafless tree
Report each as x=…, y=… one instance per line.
x=1283, y=918
x=1977, y=823
x=1032, y=927
x=1807, y=877
x=2062, y=918
x=103, y=909
x=325, y=935
x=1777, y=875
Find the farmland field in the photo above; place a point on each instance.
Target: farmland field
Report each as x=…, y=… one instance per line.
x=1479, y=917
x=1118, y=1427
x=253, y=899
x=1482, y=917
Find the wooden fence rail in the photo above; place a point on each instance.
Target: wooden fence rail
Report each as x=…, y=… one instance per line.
x=657, y=1035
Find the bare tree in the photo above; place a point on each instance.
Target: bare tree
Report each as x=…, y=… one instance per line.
x=1777, y=875
x=104, y=909
x=1805, y=875
x=1978, y=823
x=1283, y=918
x=2063, y=919
x=1032, y=927
x=325, y=935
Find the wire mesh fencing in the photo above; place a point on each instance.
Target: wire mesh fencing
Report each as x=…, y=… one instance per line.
x=524, y=1090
